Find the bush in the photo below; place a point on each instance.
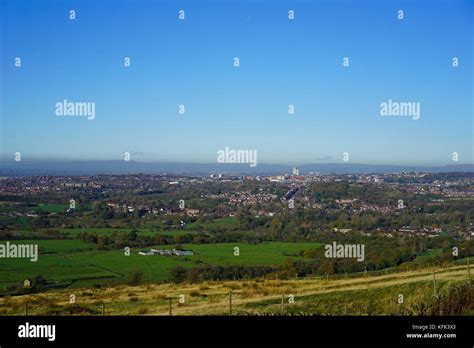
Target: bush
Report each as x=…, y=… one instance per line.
x=135, y=277
x=178, y=274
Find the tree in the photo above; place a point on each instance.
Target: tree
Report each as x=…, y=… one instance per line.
x=133, y=235
x=289, y=263
x=37, y=283
x=160, y=240
x=135, y=277
x=178, y=274
x=327, y=267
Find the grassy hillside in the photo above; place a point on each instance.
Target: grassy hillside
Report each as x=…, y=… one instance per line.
x=371, y=295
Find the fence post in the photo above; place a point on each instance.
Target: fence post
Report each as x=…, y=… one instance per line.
x=171, y=313
x=230, y=302
x=434, y=283
x=282, y=303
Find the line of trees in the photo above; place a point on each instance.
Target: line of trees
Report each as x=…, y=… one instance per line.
x=180, y=274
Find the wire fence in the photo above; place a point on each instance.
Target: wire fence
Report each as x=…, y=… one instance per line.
x=243, y=299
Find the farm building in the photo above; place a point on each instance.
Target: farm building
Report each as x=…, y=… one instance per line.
x=164, y=252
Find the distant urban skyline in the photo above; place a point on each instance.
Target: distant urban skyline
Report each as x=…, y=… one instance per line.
x=162, y=85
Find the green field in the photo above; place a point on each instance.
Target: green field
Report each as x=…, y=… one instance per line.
x=50, y=208
x=18, y=222
x=73, y=232
x=224, y=222
x=71, y=261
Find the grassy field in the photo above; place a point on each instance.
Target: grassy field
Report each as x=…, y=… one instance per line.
x=225, y=222
x=73, y=232
x=371, y=295
x=189, y=229
x=81, y=265
x=18, y=222
x=50, y=208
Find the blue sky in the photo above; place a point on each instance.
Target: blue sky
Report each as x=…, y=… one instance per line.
x=283, y=62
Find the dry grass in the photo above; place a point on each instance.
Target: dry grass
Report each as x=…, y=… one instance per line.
x=212, y=298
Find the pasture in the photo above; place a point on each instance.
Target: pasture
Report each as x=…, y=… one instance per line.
x=80, y=264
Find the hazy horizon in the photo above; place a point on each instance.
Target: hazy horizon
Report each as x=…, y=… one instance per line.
x=292, y=164
x=120, y=167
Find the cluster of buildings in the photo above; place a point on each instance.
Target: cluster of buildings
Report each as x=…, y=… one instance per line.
x=422, y=231
x=165, y=252
x=246, y=197
x=130, y=208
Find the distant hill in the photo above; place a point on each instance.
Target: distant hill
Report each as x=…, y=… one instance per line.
x=11, y=168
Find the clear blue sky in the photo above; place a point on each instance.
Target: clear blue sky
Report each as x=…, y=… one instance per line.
x=282, y=62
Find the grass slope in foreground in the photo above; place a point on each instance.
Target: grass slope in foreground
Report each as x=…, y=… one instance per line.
x=371, y=295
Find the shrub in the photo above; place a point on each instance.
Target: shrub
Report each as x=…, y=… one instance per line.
x=135, y=277
x=194, y=293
